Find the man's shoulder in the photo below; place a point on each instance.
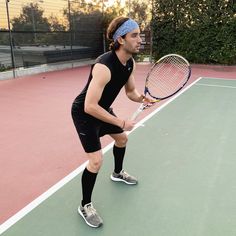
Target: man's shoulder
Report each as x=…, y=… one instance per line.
x=104, y=57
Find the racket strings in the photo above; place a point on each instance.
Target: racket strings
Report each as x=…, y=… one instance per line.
x=167, y=76
x=164, y=85
x=160, y=85
x=170, y=72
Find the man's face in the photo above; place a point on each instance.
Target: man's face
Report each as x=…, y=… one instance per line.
x=132, y=42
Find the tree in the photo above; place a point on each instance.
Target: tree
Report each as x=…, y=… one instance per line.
x=201, y=30
x=4, y=36
x=89, y=21
x=140, y=11
x=55, y=25
x=31, y=19
x=57, y=34
x=36, y=28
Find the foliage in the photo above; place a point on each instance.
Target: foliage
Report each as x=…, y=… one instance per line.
x=28, y=27
x=32, y=28
x=31, y=19
x=201, y=30
x=4, y=68
x=138, y=10
x=4, y=37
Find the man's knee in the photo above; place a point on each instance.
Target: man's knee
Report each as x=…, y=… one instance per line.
x=95, y=162
x=122, y=140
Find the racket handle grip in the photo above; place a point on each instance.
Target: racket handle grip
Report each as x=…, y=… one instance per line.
x=136, y=114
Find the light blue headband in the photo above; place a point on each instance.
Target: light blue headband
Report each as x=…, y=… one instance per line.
x=125, y=28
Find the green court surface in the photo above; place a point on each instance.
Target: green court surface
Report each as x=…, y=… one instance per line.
x=184, y=158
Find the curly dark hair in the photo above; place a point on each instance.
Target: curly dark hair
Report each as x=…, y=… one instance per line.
x=113, y=26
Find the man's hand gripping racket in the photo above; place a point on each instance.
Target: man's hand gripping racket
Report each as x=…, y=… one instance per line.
x=166, y=78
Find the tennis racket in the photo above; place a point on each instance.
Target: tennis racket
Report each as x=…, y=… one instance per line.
x=166, y=78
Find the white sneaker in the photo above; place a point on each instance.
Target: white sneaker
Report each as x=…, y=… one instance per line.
x=90, y=215
x=123, y=177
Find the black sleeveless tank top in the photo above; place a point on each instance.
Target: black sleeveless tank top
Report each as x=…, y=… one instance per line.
x=119, y=76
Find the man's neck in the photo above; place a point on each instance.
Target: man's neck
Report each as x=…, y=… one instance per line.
x=123, y=56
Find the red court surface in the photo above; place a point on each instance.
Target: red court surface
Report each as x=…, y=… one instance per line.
x=39, y=144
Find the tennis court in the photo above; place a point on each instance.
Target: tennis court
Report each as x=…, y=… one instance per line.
x=182, y=150
x=184, y=159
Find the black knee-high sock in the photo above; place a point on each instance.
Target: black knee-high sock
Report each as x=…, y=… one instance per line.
x=88, y=180
x=119, y=153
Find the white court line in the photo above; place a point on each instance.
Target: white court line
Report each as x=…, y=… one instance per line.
x=24, y=211
x=216, y=85
x=211, y=78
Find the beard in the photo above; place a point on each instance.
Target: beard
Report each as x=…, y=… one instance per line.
x=132, y=51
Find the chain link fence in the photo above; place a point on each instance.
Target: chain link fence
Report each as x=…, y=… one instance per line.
x=44, y=31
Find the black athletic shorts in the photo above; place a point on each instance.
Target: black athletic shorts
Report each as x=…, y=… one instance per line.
x=91, y=129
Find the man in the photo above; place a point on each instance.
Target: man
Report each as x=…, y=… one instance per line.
x=93, y=117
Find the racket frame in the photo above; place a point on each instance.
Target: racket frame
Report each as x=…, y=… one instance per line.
x=146, y=91
x=157, y=99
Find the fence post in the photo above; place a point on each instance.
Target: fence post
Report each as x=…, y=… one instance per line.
x=70, y=26
x=10, y=39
